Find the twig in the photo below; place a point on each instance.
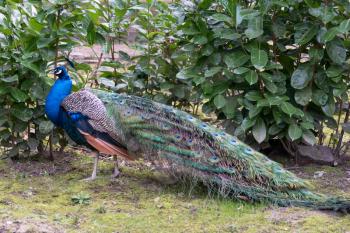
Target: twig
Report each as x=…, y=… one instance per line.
x=337, y=149
x=94, y=73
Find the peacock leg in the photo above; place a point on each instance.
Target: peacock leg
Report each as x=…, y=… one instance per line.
x=94, y=171
x=116, y=171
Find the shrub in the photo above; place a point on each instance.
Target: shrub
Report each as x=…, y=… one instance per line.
x=32, y=34
x=270, y=69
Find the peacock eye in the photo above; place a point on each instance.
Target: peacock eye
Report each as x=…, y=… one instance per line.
x=58, y=71
x=248, y=151
x=233, y=142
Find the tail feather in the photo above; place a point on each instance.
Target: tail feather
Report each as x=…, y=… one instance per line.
x=193, y=148
x=226, y=187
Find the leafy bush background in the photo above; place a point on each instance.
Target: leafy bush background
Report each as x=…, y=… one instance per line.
x=266, y=69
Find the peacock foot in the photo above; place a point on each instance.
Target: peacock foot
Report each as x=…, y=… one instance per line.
x=116, y=173
x=91, y=178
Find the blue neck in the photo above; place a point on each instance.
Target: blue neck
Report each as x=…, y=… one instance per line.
x=60, y=90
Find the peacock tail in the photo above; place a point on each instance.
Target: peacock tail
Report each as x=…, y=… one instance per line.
x=189, y=147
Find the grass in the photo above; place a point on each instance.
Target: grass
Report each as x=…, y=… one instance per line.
x=40, y=195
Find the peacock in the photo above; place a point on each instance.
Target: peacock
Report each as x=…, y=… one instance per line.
x=135, y=127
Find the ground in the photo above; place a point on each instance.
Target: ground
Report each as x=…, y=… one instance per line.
x=46, y=196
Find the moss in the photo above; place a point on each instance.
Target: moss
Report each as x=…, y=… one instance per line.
x=136, y=202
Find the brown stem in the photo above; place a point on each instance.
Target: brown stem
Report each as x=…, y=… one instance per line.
x=288, y=148
x=50, y=148
x=337, y=149
x=339, y=115
x=320, y=134
x=94, y=73
x=58, y=16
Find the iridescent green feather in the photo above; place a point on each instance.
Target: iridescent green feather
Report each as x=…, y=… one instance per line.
x=194, y=148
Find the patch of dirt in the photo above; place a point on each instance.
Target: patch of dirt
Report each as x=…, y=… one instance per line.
x=292, y=218
x=28, y=225
x=332, y=180
x=39, y=166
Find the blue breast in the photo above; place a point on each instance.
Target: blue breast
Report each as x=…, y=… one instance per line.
x=60, y=90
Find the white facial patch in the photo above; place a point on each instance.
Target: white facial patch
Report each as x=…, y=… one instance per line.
x=58, y=72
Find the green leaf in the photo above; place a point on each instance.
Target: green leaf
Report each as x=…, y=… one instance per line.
x=229, y=34
x=277, y=115
x=24, y=114
x=271, y=87
x=222, y=18
x=200, y=39
x=248, y=13
x=235, y=59
x=254, y=111
x=263, y=103
x=113, y=64
x=301, y=77
x=179, y=92
x=290, y=109
x=31, y=66
x=10, y=79
x=316, y=54
x=166, y=85
x=255, y=27
x=35, y=25
x=37, y=91
x=294, y=132
x=4, y=89
x=313, y=3
x=258, y=58
x=106, y=82
x=329, y=107
x=275, y=100
x=241, y=70
x=212, y=71
x=305, y=33
x=188, y=28
x=187, y=73
x=230, y=108
x=215, y=58
x=344, y=26
x=207, y=50
x=279, y=28
x=329, y=35
x=259, y=130
x=91, y=33
x=274, y=129
x=309, y=137
x=44, y=42
x=319, y=97
x=45, y=127
x=307, y=125
x=253, y=96
x=334, y=71
x=247, y=123
x=205, y=4
x=251, y=77
x=219, y=101
x=336, y=51
x=338, y=92
x=18, y=95
x=303, y=96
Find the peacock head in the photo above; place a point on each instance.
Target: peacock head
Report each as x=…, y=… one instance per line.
x=61, y=72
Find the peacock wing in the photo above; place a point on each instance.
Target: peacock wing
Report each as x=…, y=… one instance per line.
x=90, y=118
